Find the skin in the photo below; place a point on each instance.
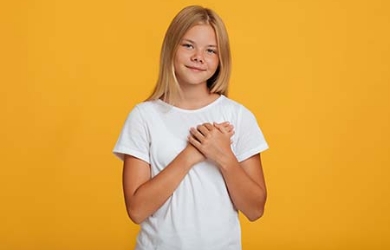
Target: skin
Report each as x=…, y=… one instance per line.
x=196, y=61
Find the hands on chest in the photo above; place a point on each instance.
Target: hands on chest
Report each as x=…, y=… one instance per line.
x=213, y=141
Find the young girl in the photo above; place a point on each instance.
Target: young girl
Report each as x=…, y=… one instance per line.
x=191, y=155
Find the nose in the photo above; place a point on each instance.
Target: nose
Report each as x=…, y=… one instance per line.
x=197, y=57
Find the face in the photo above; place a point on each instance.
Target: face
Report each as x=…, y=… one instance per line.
x=196, y=58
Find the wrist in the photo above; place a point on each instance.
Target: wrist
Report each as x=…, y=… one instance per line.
x=192, y=156
x=226, y=161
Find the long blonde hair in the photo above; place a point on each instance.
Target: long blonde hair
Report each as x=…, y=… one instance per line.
x=167, y=86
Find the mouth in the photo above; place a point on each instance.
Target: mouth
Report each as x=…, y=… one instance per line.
x=195, y=68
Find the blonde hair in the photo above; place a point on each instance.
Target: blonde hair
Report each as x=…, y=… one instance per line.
x=167, y=86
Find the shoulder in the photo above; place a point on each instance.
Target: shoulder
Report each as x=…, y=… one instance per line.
x=141, y=112
x=239, y=111
x=230, y=103
x=146, y=108
x=146, y=105
x=234, y=105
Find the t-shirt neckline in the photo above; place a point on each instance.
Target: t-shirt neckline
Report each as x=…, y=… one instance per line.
x=219, y=99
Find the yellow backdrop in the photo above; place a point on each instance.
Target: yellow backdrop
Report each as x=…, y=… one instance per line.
x=315, y=73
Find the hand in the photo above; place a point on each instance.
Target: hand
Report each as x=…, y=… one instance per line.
x=212, y=140
x=193, y=155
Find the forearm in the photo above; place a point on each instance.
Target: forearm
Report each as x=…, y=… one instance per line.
x=247, y=196
x=152, y=194
x=244, y=180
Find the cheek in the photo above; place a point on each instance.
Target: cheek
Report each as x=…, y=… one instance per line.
x=179, y=59
x=213, y=63
x=175, y=65
x=176, y=62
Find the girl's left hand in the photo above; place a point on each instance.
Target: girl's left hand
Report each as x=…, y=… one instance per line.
x=212, y=140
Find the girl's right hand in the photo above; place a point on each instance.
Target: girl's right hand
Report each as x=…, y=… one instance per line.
x=194, y=155
x=213, y=140
x=227, y=126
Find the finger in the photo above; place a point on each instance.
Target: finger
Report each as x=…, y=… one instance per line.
x=209, y=126
x=203, y=130
x=197, y=135
x=220, y=127
x=229, y=128
x=222, y=123
x=194, y=142
x=226, y=124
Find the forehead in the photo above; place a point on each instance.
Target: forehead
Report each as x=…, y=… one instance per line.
x=202, y=34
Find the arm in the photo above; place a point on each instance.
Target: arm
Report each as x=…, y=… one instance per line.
x=245, y=180
x=246, y=185
x=144, y=195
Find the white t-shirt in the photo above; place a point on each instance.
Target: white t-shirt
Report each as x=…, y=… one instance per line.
x=200, y=214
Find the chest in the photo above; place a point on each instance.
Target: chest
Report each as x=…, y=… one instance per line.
x=169, y=131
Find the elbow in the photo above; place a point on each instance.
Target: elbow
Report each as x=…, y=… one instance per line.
x=135, y=220
x=135, y=210
x=258, y=211
x=255, y=215
x=135, y=217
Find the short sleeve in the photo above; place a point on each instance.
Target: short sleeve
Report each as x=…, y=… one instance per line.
x=250, y=139
x=134, y=138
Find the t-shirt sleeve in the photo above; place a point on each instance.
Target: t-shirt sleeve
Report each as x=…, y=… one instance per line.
x=134, y=137
x=250, y=138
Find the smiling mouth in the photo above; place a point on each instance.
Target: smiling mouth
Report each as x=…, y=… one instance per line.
x=195, y=68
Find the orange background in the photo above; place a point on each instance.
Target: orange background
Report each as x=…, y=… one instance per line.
x=315, y=73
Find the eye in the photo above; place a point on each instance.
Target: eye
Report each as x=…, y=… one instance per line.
x=188, y=45
x=211, y=51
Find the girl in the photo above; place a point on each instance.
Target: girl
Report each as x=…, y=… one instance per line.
x=191, y=155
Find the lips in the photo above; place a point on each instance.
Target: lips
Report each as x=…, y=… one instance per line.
x=195, y=68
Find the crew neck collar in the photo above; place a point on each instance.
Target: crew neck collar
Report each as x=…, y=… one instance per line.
x=220, y=98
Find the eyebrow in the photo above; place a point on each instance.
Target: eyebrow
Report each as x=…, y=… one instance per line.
x=189, y=40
